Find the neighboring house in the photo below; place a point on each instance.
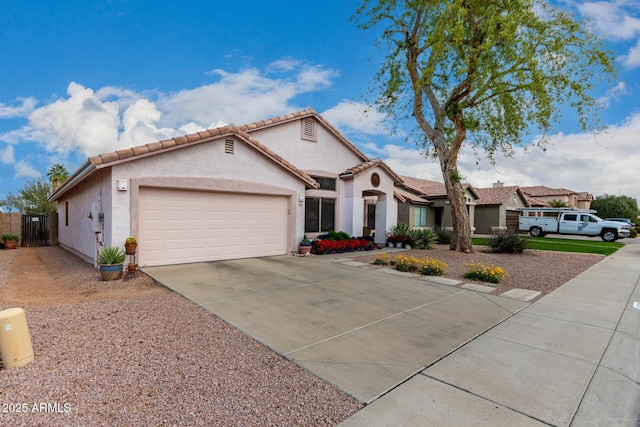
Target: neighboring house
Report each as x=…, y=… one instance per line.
x=432, y=209
x=495, y=209
x=572, y=199
x=229, y=192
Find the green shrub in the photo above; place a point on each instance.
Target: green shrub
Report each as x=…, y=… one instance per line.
x=338, y=235
x=444, y=236
x=110, y=255
x=633, y=232
x=508, y=242
x=423, y=238
x=8, y=237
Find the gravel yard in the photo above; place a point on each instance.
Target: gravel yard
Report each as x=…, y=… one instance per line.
x=136, y=354
x=541, y=271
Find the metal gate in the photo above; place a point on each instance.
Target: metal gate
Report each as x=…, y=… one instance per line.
x=35, y=230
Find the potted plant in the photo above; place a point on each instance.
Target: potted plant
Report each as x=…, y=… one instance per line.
x=130, y=245
x=111, y=259
x=10, y=240
x=132, y=267
x=305, y=246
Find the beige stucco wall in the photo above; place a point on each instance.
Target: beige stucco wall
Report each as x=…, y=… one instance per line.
x=326, y=154
x=203, y=166
x=353, y=204
x=82, y=232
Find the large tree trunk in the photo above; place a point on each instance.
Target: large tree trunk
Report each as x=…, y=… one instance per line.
x=461, y=239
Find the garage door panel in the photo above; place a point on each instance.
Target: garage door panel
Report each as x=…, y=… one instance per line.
x=178, y=226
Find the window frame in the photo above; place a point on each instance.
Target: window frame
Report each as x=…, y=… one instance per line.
x=418, y=210
x=320, y=216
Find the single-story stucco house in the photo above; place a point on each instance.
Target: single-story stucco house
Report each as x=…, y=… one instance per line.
x=496, y=208
x=437, y=213
x=229, y=192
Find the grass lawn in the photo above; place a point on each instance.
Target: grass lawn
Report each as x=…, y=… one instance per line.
x=594, y=246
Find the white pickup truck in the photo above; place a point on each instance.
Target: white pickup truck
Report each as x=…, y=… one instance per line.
x=541, y=221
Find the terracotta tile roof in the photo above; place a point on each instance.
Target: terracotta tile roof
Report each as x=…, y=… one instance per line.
x=585, y=196
x=497, y=195
x=309, y=112
x=542, y=191
x=404, y=195
x=120, y=156
x=537, y=203
x=432, y=189
x=359, y=168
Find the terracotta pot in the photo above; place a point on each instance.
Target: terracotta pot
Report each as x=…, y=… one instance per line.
x=10, y=244
x=132, y=267
x=130, y=248
x=303, y=250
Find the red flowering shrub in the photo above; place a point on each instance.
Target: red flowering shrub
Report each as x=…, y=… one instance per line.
x=326, y=246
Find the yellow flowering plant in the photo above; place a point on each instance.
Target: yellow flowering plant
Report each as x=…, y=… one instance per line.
x=382, y=259
x=425, y=265
x=432, y=267
x=486, y=273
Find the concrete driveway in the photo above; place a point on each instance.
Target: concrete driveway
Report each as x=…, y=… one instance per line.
x=363, y=330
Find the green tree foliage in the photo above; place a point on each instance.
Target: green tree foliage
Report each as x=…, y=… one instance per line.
x=484, y=73
x=557, y=203
x=616, y=207
x=32, y=198
x=57, y=174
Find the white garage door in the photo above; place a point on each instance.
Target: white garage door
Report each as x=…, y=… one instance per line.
x=178, y=226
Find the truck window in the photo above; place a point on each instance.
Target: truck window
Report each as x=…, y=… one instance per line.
x=570, y=217
x=585, y=218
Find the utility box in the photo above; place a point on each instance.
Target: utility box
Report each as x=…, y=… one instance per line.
x=15, y=341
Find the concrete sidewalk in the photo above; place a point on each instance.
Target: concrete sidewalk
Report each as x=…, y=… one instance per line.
x=570, y=359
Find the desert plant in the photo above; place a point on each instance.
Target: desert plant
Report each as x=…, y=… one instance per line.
x=337, y=235
x=8, y=237
x=444, y=236
x=486, y=273
x=404, y=263
x=508, y=242
x=305, y=241
x=432, y=267
x=382, y=259
x=130, y=240
x=110, y=255
x=423, y=238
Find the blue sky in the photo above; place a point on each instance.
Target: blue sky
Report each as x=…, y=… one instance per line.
x=80, y=78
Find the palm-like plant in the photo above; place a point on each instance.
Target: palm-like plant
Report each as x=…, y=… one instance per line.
x=57, y=174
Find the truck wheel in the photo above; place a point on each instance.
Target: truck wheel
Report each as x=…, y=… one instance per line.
x=536, y=232
x=609, y=235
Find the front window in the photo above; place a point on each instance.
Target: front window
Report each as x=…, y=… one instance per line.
x=319, y=215
x=328, y=184
x=420, y=216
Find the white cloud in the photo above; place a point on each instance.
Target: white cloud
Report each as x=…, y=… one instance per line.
x=6, y=155
x=243, y=97
x=614, y=93
x=358, y=117
x=23, y=169
x=22, y=109
x=614, y=19
x=82, y=121
x=110, y=118
x=631, y=59
x=600, y=164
